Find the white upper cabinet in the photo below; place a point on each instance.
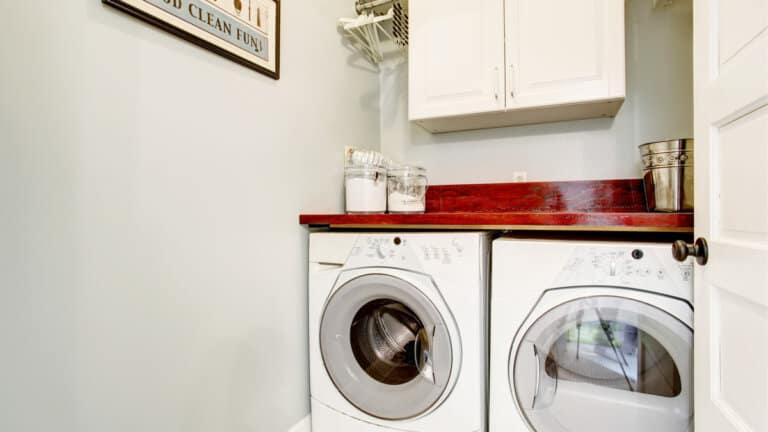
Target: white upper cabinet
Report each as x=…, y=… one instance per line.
x=456, y=57
x=564, y=51
x=551, y=60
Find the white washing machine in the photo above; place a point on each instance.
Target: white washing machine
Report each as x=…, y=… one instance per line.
x=398, y=331
x=590, y=337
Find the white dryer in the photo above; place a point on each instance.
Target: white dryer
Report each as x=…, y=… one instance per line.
x=590, y=337
x=398, y=331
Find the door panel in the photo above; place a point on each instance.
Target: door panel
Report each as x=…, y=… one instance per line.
x=564, y=52
x=626, y=361
x=456, y=57
x=386, y=347
x=731, y=122
x=741, y=21
x=742, y=359
x=543, y=53
x=742, y=167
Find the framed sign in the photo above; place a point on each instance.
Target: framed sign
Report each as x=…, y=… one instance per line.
x=244, y=31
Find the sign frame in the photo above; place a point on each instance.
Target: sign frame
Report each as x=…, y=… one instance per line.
x=206, y=39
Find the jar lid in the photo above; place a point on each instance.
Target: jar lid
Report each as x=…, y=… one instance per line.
x=365, y=169
x=407, y=171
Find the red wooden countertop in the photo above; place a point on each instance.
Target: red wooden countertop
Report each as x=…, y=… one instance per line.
x=603, y=205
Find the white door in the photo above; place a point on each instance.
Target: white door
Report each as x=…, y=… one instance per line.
x=564, y=51
x=731, y=130
x=456, y=57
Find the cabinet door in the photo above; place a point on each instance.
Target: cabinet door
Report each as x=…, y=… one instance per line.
x=562, y=52
x=456, y=57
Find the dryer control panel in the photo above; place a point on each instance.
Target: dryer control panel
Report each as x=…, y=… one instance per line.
x=644, y=268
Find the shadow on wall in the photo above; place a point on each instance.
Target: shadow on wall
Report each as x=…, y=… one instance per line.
x=356, y=60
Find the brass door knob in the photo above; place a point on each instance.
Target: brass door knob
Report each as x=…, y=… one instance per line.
x=700, y=249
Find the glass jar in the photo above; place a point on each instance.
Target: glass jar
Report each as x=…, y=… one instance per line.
x=407, y=189
x=366, y=189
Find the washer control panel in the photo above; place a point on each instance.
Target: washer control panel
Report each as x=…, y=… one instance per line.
x=408, y=250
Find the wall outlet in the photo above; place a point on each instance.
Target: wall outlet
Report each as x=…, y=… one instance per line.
x=519, y=176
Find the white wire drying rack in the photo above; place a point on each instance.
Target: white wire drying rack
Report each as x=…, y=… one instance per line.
x=380, y=29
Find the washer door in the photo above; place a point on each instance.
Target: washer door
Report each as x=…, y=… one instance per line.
x=604, y=364
x=386, y=347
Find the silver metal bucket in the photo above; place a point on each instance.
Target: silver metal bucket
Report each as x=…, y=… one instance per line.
x=668, y=175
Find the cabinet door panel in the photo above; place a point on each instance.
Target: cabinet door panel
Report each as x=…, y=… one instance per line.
x=456, y=57
x=562, y=52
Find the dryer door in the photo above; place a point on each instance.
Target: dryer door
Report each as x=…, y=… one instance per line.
x=604, y=364
x=386, y=347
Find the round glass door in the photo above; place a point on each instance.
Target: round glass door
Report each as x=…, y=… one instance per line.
x=602, y=364
x=386, y=347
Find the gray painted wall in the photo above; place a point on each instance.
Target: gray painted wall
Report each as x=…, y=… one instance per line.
x=152, y=269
